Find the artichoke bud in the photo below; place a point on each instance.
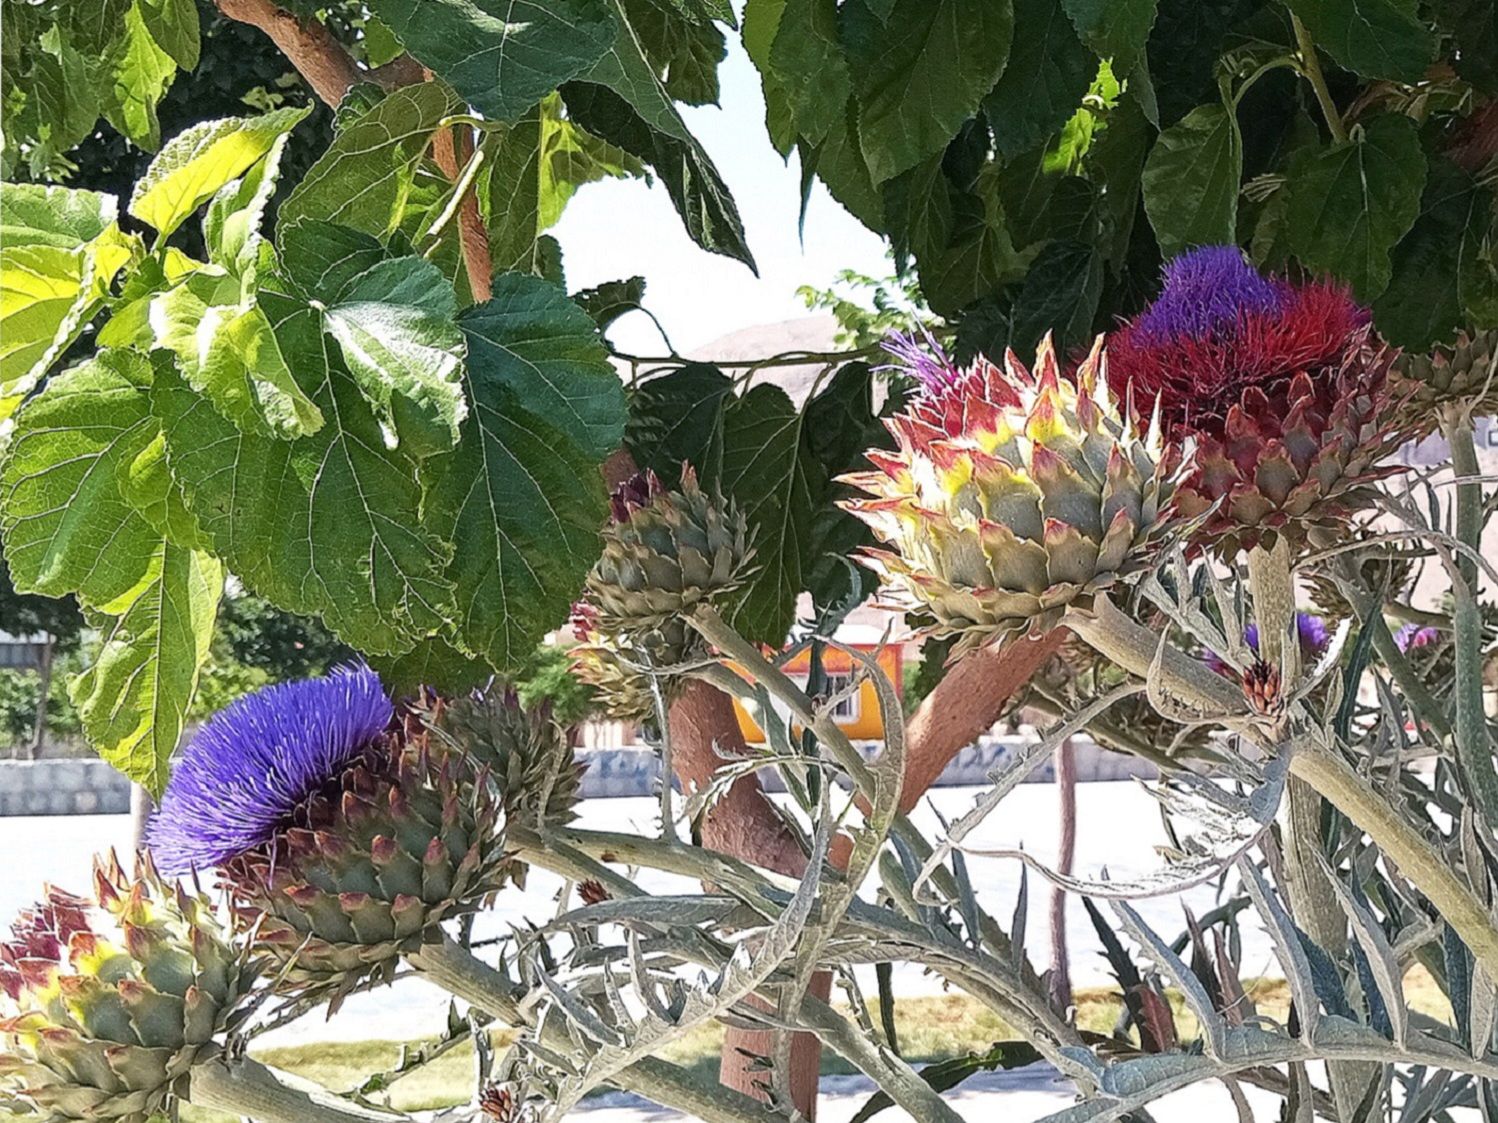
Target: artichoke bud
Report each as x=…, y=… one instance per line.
x=524, y=752
x=665, y=553
x=1014, y=495
x=1462, y=373
x=401, y=839
x=618, y=668
x=106, y=1005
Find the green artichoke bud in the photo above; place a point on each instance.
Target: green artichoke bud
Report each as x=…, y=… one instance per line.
x=664, y=553
x=405, y=837
x=1463, y=373
x=524, y=752
x=1014, y=496
x=615, y=666
x=105, y=1007
x=1379, y=567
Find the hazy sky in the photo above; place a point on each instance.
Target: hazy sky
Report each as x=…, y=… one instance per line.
x=620, y=228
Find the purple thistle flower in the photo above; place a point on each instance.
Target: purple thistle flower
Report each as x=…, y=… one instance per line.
x=256, y=761
x=1313, y=640
x=1205, y=288
x=923, y=358
x=1412, y=637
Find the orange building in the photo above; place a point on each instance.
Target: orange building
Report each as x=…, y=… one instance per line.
x=858, y=715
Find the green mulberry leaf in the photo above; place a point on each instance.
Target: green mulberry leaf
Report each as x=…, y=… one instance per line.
x=1191, y=180
x=1374, y=38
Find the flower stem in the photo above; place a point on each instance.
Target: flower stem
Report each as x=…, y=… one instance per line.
x=1310, y=67
x=459, y=972
x=249, y=1089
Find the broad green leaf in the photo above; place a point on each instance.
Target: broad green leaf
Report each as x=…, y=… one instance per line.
x=1349, y=204
x=761, y=24
x=1191, y=179
x=435, y=663
x=917, y=86
x=605, y=303
x=231, y=224
x=65, y=524
x=174, y=26
x=394, y=322
x=32, y=214
x=621, y=99
x=58, y=103
x=1375, y=38
x=686, y=52
x=808, y=63
x=763, y=470
x=146, y=482
x=502, y=56
x=1048, y=72
x=840, y=164
x=364, y=177
x=47, y=295
x=137, y=74
x=520, y=499
x=1441, y=279
x=1060, y=295
x=980, y=256
x=548, y=353
x=226, y=350
x=330, y=524
x=134, y=700
x=194, y=164
x=1115, y=29
x=677, y=419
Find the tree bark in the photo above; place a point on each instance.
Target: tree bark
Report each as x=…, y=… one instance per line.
x=743, y=825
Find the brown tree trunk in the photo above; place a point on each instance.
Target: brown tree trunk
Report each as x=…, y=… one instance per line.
x=745, y=826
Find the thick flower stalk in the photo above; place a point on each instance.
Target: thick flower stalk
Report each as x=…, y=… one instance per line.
x=1282, y=388
x=344, y=836
x=1013, y=495
x=107, y=1005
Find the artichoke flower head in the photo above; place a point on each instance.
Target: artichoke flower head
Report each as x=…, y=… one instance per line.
x=1281, y=385
x=105, y=1005
x=1013, y=493
x=344, y=834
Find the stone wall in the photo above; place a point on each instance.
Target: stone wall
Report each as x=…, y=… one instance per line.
x=91, y=787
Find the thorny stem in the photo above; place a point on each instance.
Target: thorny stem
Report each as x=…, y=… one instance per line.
x=459, y=972
x=249, y=1089
x=1310, y=67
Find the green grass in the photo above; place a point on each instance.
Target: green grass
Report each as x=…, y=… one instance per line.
x=929, y=1029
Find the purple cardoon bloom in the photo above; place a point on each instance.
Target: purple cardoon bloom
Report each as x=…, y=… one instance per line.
x=1413, y=636
x=255, y=762
x=923, y=358
x=1205, y=288
x=1313, y=640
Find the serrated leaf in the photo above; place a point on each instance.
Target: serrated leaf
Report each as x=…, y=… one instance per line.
x=1115, y=29
x=621, y=99
x=133, y=702
x=1191, y=179
x=329, y=524
x=138, y=73
x=605, y=303
x=550, y=356
x=34, y=214
x=807, y=61
x=1041, y=87
x=394, y=322
x=502, y=56
x=677, y=419
x=520, y=498
x=1351, y=203
x=1375, y=38
x=364, y=177
x=174, y=26
x=435, y=663
x=1441, y=279
x=231, y=224
x=685, y=50
x=917, y=86
x=194, y=164
x=1060, y=295
x=65, y=524
x=226, y=350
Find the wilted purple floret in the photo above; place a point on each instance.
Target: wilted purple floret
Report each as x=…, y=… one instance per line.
x=1205, y=288
x=254, y=762
x=1413, y=636
x=923, y=358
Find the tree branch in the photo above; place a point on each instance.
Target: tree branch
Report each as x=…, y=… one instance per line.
x=315, y=52
x=452, y=148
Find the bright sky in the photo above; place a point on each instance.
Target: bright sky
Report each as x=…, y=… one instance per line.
x=620, y=228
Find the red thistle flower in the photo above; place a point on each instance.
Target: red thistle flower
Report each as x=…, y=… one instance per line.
x=1281, y=386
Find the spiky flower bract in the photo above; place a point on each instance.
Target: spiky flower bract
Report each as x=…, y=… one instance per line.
x=1280, y=386
x=106, y=1005
x=616, y=666
x=1462, y=373
x=249, y=768
x=1013, y=494
x=342, y=836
